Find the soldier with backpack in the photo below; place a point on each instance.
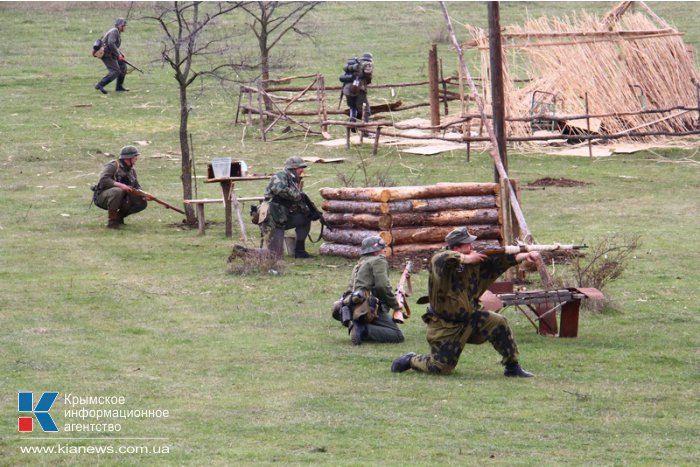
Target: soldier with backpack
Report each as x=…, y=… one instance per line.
x=357, y=75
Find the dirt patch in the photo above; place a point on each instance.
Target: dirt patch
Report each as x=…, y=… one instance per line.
x=560, y=182
x=420, y=261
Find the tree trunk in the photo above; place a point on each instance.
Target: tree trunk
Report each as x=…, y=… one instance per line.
x=348, y=236
x=414, y=219
x=404, y=235
x=352, y=251
x=419, y=205
x=382, y=194
x=264, y=61
x=186, y=163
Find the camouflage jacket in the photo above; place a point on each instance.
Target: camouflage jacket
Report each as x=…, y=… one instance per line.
x=372, y=273
x=285, y=196
x=454, y=288
x=112, y=41
x=115, y=171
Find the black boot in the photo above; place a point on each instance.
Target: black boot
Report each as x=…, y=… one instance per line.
x=120, y=84
x=300, y=249
x=402, y=363
x=357, y=331
x=101, y=86
x=514, y=370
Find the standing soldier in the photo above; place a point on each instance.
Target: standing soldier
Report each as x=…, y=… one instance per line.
x=358, y=74
x=458, y=277
x=370, y=278
x=113, y=58
x=288, y=208
x=115, y=189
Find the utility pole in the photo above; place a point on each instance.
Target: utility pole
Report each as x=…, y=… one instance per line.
x=497, y=95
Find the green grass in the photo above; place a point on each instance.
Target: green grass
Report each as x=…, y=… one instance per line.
x=251, y=368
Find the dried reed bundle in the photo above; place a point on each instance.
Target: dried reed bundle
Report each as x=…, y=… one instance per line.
x=624, y=62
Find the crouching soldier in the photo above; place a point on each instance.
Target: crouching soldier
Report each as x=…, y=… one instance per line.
x=116, y=188
x=371, y=297
x=288, y=208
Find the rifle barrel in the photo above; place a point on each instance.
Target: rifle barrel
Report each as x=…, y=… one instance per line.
x=515, y=249
x=143, y=194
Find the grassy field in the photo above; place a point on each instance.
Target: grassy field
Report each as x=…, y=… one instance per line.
x=252, y=369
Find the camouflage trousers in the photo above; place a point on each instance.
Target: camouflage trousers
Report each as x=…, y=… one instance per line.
x=447, y=340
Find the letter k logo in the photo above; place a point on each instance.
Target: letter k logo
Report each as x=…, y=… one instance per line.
x=25, y=403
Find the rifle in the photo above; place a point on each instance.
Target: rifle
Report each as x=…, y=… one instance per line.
x=515, y=249
x=315, y=215
x=403, y=291
x=143, y=194
x=132, y=66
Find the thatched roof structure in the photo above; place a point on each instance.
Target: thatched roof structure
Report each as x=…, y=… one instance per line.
x=625, y=62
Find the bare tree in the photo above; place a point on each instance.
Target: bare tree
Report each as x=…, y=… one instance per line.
x=271, y=21
x=194, y=48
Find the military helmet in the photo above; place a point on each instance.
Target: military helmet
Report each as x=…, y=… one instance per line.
x=129, y=152
x=367, y=57
x=372, y=244
x=459, y=236
x=119, y=22
x=295, y=162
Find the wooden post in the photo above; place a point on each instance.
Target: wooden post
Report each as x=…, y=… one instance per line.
x=323, y=112
x=434, y=89
x=238, y=107
x=588, y=129
x=249, y=112
x=241, y=222
x=347, y=137
x=497, y=93
x=444, y=89
x=260, y=115
x=376, y=141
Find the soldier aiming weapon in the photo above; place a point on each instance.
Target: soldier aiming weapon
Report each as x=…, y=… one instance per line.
x=403, y=291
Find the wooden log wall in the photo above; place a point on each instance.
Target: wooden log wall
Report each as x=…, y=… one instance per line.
x=410, y=219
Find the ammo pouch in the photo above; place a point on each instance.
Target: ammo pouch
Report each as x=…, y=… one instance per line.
x=98, y=48
x=354, y=88
x=364, y=307
x=360, y=305
x=260, y=214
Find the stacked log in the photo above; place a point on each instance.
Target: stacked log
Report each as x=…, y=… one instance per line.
x=410, y=219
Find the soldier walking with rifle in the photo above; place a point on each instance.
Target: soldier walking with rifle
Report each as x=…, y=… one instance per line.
x=113, y=58
x=118, y=190
x=458, y=277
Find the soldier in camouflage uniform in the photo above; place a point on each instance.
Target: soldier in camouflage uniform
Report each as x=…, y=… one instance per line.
x=458, y=277
x=288, y=208
x=371, y=274
x=114, y=191
x=113, y=58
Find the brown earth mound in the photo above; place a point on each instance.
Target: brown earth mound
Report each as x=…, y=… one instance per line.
x=561, y=182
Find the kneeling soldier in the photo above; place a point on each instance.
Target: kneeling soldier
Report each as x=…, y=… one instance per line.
x=371, y=320
x=458, y=277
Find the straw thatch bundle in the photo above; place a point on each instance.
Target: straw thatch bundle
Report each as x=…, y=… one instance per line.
x=624, y=62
